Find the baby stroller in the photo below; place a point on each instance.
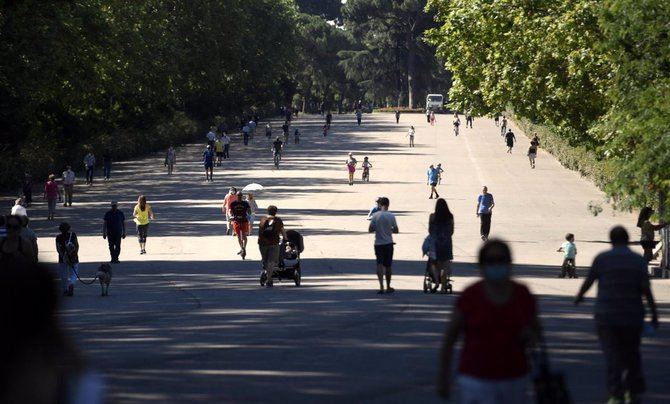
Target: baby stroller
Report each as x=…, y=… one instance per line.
x=430, y=284
x=289, y=259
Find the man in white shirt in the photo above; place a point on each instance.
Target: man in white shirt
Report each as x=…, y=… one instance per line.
x=384, y=225
x=68, y=185
x=226, y=145
x=211, y=137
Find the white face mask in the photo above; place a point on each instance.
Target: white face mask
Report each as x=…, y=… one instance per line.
x=496, y=272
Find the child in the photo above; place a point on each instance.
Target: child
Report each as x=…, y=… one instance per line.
x=569, y=250
x=439, y=173
x=296, y=136
x=366, y=169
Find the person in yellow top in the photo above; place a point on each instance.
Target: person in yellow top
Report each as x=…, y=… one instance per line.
x=218, y=149
x=142, y=214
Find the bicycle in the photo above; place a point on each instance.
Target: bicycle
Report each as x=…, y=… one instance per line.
x=366, y=174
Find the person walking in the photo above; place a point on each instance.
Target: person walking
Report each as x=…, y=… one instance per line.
x=351, y=167
x=27, y=188
x=485, y=204
x=226, y=145
x=359, y=116
x=51, y=194
x=499, y=321
x=218, y=150
x=510, y=139
x=269, y=229
x=432, y=175
x=208, y=162
x=441, y=230
x=230, y=197
x=268, y=131
x=142, y=215
x=89, y=163
x=240, y=212
x=285, y=128
x=503, y=126
x=496, y=119
x=329, y=119
x=440, y=171
x=170, y=159
x=457, y=124
x=428, y=115
x=246, y=130
x=468, y=119
x=432, y=118
x=67, y=246
x=535, y=140
x=211, y=136
x=410, y=134
x=28, y=234
x=648, y=230
x=68, y=185
x=296, y=136
x=14, y=249
x=397, y=116
x=114, y=230
x=619, y=314
x=384, y=225
x=532, y=154
x=107, y=166
x=253, y=207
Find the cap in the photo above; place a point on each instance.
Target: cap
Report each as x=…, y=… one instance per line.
x=114, y=203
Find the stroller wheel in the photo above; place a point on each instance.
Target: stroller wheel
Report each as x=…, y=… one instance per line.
x=296, y=278
x=264, y=278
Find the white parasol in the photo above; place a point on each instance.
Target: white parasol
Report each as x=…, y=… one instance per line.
x=253, y=187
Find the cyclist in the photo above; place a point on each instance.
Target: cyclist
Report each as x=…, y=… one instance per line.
x=277, y=147
x=366, y=169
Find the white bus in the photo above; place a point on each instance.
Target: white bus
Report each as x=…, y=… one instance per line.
x=435, y=102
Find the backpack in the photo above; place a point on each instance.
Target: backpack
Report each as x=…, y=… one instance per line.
x=268, y=229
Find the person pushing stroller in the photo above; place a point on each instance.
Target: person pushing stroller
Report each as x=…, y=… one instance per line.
x=269, y=230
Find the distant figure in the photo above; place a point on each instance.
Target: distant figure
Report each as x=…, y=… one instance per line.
x=532, y=154
x=441, y=230
x=510, y=139
x=410, y=134
x=211, y=136
x=268, y=130
x=218, y=151
x=397, y=116
x=51, y=194
x=246, y=131
x=27, y=188
x=498, y=319
x=484, y=211
x=107, y=166
x=351, y=167
x=469, y=119
x=170, y=159
x=226, y=145
x=384, y=225
x=68, y=258
x=503, y=127
x=68, y=185
x=89, y=163
x=296, y=136
x=496, y=119
x=428, y=115
x=142, y=215
x=114, y=230
x=432, y=118
x=208, y=162
x=619, y=314
x=440, y=170
x=569, y=250
x=648, y=230
x=329, y=119
x=433, y=177
x=359, y=116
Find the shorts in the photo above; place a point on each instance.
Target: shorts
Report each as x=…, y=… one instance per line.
x=532, y=155
x=384, y=254
x=209, y=165
x=219, y=154
x=142, y=230
x=351, y=169
x=240, y=227
x=433, y=184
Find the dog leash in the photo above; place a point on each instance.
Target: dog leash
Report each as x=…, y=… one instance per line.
x=83, y=281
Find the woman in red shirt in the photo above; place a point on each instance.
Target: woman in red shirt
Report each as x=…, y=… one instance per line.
x=498, y=319
x=51, y=193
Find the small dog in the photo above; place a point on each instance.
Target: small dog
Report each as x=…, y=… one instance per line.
x=105, y=277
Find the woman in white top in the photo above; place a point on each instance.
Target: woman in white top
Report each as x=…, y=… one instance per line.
x=410, y=133
x=254, y=206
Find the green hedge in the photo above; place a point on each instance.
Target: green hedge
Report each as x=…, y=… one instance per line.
x=574, y=157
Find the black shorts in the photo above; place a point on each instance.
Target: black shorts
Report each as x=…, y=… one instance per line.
x=384, y=254
x=433, y=184
x=219, y=154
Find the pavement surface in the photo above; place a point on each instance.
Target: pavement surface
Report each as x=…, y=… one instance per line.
x=188, y=322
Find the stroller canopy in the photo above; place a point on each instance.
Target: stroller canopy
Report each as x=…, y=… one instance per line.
x=295, y=238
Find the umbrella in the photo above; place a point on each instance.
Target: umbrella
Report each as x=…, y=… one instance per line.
x=252, y=187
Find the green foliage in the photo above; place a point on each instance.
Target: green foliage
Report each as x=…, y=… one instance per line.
x=595, y=73
x=133, y=76
x=393, y=63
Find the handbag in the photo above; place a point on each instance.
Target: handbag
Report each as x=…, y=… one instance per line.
x=550, y=387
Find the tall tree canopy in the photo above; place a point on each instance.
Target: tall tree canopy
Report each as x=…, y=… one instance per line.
x=597, y=71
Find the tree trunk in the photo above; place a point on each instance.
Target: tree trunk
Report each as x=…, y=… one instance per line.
x=411, y=68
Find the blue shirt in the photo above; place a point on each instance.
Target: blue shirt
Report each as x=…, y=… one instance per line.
x=485, y=202
x=432, y=175
x=208, y=155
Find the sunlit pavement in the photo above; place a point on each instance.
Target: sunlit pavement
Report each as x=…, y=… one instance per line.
x=188, y=322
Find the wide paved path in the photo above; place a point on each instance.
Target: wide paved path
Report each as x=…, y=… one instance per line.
x=188, y=322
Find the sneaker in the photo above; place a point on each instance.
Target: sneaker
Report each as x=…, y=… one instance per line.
x=390, y=290
x=380, y=292
x=244, y=254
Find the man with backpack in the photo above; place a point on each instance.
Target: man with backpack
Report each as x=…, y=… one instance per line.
x=269, y=229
